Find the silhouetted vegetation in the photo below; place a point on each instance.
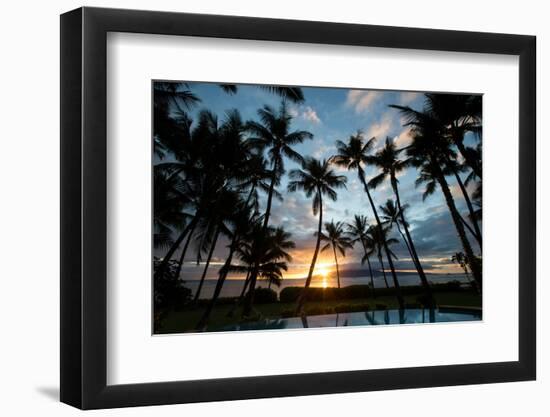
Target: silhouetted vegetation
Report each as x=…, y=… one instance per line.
x=216, y=178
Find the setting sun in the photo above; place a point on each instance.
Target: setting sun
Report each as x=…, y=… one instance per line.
x=323, y=272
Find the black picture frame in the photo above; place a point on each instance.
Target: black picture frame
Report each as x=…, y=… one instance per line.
x=84, y=207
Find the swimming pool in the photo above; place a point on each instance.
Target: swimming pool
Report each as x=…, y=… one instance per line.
x=368, y=318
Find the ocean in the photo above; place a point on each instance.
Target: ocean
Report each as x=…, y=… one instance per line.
x=233, y=287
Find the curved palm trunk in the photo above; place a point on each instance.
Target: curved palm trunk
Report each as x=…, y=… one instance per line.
x=462, y=149
x=337, y=268
x=254, y=273
x=184, y=251
x=411, y=246
x=249, y=300
x=473, y=218
x=241, y=296
x=383, y=269
x=303, y=295
x=370, y=269
x=472, y=260
x=212, y=247
x=406, y=244
x=270, y=195
x=400, y=299
x=164, y=263
x=201, y=326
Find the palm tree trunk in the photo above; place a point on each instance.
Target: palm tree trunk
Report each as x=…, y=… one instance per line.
x=175, y=246
x=222, y=276
x=241, y=296
x=400, y=299
x=184, y=251
x=249, y=300
x=254, y=274
x=462, y=149
x=370, y=269
x=212, y=247
x=383, y=270
x=270, y=195
x=472, y=260
x=411, y=246
x=303, y=295
x=473, y=219
x=406, y=244
x=337, y=269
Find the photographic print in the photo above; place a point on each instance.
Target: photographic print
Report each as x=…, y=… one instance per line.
x=293, y=207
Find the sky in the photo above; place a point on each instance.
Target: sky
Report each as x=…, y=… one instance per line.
x=332, y=114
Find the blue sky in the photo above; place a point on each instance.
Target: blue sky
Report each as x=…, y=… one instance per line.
x=332, y=114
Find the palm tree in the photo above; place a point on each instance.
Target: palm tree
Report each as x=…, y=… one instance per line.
x=242, y=223
x=354, y=155
x=429, y=152
x=358, y=231
x=336, y=238
x=387, y=160
x=379, y=237
x=455, y=168
x=273, y=134
x=211, y=166
x=460, y=259
x=390, y=217
x=316, y=179
x=264, y=254
x=294, y=94
x=456, y=114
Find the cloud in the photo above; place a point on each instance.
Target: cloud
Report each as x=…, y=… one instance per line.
x=293, y=111
x=380, y=129
x=310, y=115
x=403, y=139
x=306, y=113
x=324, y=151
x=361, y=100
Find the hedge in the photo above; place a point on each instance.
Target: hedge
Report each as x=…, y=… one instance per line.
x=291, y=294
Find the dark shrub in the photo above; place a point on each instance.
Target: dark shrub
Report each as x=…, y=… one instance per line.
x=169, y=291
x=355, y=291
x=264, y=296
x=290, y=294
x=381, y=306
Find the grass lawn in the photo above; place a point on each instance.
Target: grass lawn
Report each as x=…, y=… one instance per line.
x=186, y=320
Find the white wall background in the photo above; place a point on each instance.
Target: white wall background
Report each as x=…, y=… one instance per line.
x=29, y=209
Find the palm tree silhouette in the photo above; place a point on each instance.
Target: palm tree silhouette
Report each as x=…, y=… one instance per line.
x=379, y=237
x=430, y=153
x=265, y=250
x=315, y=179
x=460, y=259
x=456, y=114
x=273, y=134
x=242, y=222
x=336, y=238
x=390, y=217
x=354, y=155
x=358, y=231
x=387, y=160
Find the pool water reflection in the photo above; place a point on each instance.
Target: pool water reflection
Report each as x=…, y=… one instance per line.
x=369, y=318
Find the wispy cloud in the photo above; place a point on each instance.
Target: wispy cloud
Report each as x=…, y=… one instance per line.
x=380, y=129
x=361, y=100
x=307, y=113
x=403, y=139
x=311, y=115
